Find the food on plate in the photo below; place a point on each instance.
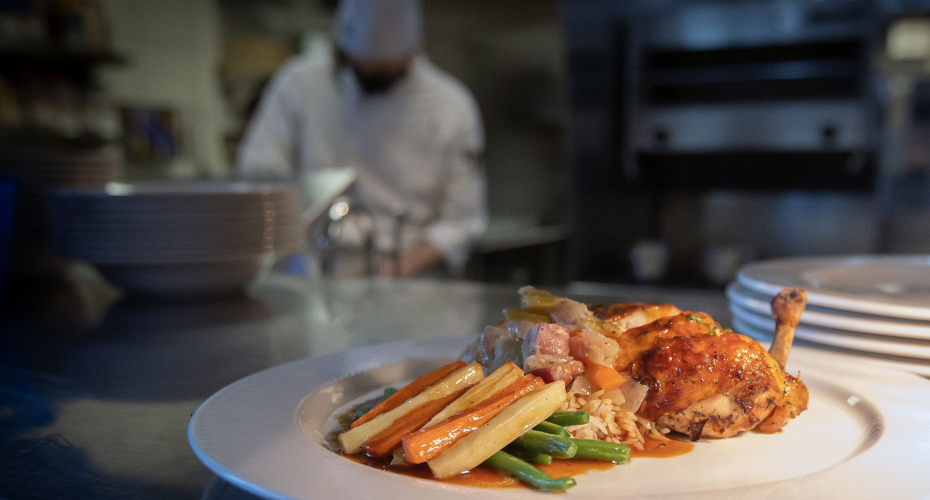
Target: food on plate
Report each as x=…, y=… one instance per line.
x=522, y=470
x=787, y=307
x=491, y=385
x=395, y=399
x=633, y=314
x=513, y=422
x=432, y=440
x=706, y=381
x=649, y=369
x=353, y=439
x=487, y=414
x=568, y=382
x=385, y=442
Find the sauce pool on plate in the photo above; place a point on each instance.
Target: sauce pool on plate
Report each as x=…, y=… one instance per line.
x=662, y=449
x=481, y=477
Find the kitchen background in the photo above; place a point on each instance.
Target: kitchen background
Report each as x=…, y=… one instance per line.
x=658, y=141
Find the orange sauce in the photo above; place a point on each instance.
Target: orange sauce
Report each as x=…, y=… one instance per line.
x=573, y=467
x=481, y=477
x=662, y=449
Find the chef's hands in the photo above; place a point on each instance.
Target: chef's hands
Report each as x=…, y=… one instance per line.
x=418, y=260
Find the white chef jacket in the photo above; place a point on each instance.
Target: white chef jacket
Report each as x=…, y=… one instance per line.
x=416, y=146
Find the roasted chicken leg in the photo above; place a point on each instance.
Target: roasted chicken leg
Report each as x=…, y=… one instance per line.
x=707, y=381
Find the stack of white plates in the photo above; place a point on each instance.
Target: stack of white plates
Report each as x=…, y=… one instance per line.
x=873, y=307
x=171, y=239
x=42, y=172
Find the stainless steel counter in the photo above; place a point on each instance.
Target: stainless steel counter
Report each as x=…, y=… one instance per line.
x=104, y=414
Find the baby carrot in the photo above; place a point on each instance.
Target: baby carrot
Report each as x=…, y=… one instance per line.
x=384, y=443
x=408, y=391
x=427, y=443
x=604, y=376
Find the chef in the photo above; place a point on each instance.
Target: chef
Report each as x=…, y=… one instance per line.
x=412, y=133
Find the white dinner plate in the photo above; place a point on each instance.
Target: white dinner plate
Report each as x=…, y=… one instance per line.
x=853, y=357
x=865, y=435
x=849, y=340
x=759, y=303
x=897, y=286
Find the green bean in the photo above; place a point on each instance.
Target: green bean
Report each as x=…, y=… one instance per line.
x=550, y=428
x=567, y=418
x=389, y=392
x=530, y=456
x=540, y=442
x=602, y=450
x=362, y=410
x=525, y=472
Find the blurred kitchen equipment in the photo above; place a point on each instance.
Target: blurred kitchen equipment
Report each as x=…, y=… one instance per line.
x=338, y=226
x=321, y=189
x=169, y=239
x=347, y=246
x=650, y=260
x=399, y=221
x=342, y=230
x=876, y=307
x=903, y=193
x=720, y=263
x=681, y=111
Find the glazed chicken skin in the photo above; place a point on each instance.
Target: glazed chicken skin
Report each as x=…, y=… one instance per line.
x=634, y=314
x=707, y=381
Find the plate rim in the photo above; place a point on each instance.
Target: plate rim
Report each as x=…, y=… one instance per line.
x=839, y=300
x=890, y=327
x=916, y=367
x=817, y=334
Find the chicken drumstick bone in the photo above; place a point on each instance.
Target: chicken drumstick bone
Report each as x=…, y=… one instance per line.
x=787, y=307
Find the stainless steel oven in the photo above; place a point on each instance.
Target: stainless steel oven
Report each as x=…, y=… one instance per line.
x=752, y=126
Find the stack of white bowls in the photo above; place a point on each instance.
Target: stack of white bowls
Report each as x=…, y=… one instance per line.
x=42, y=172
x=876, y=308
x=172, y=239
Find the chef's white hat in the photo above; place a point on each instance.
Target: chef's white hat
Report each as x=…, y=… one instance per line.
x=379, y=30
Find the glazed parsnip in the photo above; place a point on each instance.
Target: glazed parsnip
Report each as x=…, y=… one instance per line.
x=502, y=377
x=353, y=439
x=513, y=422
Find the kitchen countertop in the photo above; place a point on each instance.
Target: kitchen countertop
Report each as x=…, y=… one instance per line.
x=103, y=414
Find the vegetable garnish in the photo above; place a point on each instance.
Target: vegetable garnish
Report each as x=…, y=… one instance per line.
x=601, y=450
x=501, y=430
x=604, y=376
x=353, y=439
x=431, y=441
x=549, y=444
x=497, y=380
x=529, y=456
x=714, y=328
x=384, y=443
x=410, y=390
x=550, y=428
x=525, y=472
x=361, y=411
x=569, y=418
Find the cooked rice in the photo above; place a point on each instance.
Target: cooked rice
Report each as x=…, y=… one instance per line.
x=609, y=422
